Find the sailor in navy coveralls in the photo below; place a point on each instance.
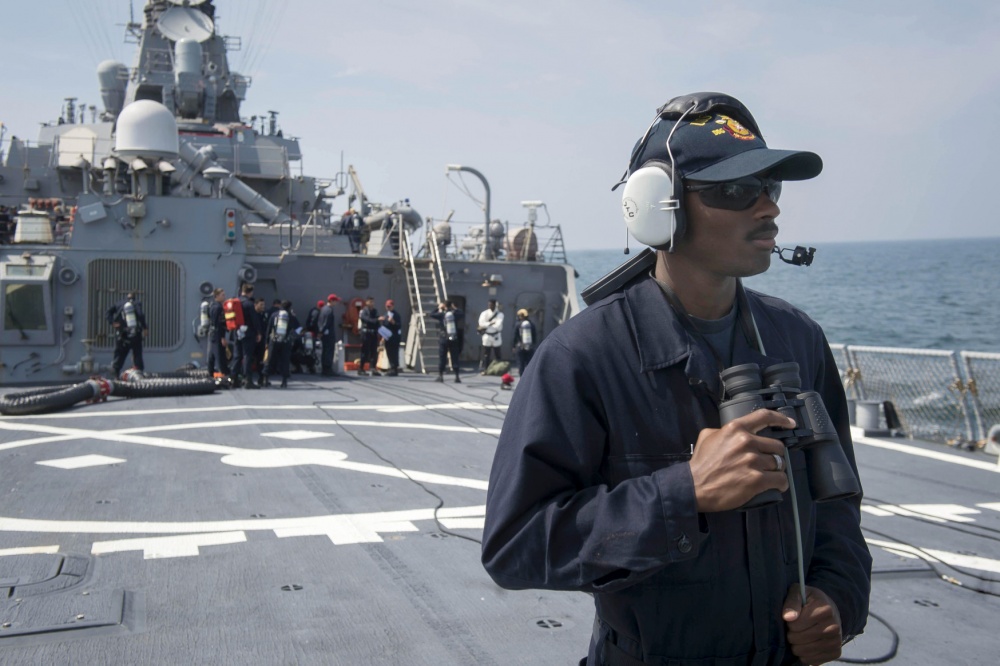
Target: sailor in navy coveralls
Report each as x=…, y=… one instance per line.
x=612, y=474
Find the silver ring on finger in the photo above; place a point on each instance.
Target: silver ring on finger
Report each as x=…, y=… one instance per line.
x=779, y=461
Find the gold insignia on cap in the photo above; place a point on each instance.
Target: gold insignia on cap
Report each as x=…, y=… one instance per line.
x=733, y=128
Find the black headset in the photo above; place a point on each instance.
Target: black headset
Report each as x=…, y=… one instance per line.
x=652, y=201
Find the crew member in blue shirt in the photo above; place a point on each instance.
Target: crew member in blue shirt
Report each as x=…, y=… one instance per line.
x=369, y=323
x=129, y=323
x=451, y=322
x=613, y=474
x=246, y=339
x=394, y=323
x=217, y=360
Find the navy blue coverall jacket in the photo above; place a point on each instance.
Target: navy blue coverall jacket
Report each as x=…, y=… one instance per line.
x=591, y=489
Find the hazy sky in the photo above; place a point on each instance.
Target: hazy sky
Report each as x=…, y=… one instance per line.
x=546, y=98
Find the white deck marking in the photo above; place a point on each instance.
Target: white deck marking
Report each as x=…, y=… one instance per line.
x=254, y=458
x=876, y=511
x=246, y=524
x=951, y=512
x=271, y=458
x=131, y=435
x=470, y=406
x=344, y=530
x=320, y=422
x=994, y=506
x=298, y=434
x=173, y=546
x=183, y=539
x=931, y=555
x=463, y=523
x=78, y=462
x=939, y=513
x=84, y=414
x=922, y=453
x=30, y=550
x=116, y=436
x=326, y=458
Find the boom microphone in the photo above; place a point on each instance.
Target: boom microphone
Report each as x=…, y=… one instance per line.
x=801, y=256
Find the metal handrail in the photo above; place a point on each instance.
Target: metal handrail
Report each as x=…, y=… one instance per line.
x=442, y=294
x=409, y=262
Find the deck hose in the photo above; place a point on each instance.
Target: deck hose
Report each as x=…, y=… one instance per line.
x=97, y=389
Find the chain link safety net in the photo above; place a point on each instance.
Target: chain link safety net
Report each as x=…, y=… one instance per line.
x=923, y=385
x=847, y=374
x=982, y=371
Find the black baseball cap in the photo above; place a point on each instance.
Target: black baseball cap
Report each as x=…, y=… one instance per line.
x=719, y=144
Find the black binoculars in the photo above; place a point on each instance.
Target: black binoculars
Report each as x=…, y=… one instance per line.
x=777, y=387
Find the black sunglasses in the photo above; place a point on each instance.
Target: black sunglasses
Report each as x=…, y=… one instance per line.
x=738, y=194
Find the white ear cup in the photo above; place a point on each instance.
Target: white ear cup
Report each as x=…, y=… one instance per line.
x=649, y=206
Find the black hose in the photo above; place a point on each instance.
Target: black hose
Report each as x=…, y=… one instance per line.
x=43, y=390
x=38, y=401
x=162, y=388
x=50, y=399
x=180, y=373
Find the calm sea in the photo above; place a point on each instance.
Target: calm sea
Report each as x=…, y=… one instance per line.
x=940, y=294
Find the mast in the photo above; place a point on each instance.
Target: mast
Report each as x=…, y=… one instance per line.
x=487, y=251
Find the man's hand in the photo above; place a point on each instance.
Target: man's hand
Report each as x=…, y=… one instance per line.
x=733, y=464
x=814, y=632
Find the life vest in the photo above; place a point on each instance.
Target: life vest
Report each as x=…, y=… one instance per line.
x=233, y=310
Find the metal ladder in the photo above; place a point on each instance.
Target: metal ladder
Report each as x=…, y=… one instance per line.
x=425, y=282
x=554, y=250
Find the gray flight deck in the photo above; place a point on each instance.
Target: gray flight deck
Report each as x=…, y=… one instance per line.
x=336, y=522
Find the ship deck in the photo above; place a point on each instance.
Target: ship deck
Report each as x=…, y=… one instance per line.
x=337, y=522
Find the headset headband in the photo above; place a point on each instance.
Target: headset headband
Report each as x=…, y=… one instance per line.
x=709, y=102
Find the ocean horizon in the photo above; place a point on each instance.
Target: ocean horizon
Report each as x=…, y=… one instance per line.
x=925, y=294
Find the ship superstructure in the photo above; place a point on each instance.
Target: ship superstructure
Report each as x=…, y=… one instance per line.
x=169, y=192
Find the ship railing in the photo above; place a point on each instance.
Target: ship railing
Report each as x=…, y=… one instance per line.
x=938, y=395
x=518, y=242
x=312, y=225
x=982, y=373
x=440, y=284
x=418, y=327
x=410, y=265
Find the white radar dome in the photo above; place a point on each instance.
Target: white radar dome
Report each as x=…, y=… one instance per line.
x=112, y=74
x=146, y=129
